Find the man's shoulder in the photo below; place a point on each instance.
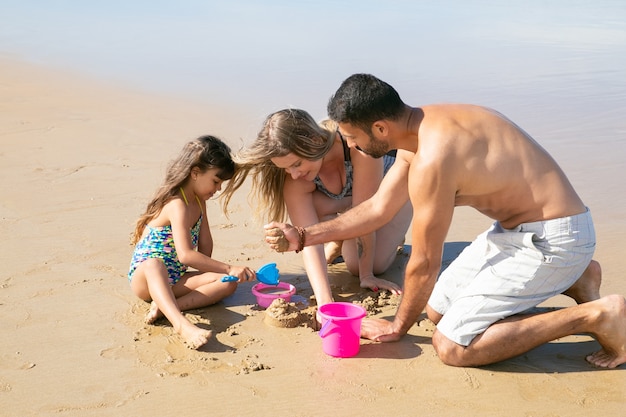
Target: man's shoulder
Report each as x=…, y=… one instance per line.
x=446, y=111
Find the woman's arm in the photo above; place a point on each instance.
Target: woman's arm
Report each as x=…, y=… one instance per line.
x=298, y=196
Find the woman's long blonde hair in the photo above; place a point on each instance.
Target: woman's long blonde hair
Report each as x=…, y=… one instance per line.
x=285, y=131
x=205, y=153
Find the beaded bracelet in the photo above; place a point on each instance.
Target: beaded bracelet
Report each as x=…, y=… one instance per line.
x=301, y=238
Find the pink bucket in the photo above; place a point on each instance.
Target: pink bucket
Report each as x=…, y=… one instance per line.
x=341, y=328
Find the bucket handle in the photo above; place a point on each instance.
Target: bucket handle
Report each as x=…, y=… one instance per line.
x=324, y=329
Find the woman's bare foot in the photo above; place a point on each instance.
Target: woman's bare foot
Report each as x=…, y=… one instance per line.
x=332, y=250
x=611, y=334
x=193, y=336
x=587, y=288
x=154, y=314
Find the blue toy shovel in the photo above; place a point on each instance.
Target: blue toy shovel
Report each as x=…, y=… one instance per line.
x=229, y=278
x=267, y=274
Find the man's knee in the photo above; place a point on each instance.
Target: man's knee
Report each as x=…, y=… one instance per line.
x=432, y=314
x=449, y=352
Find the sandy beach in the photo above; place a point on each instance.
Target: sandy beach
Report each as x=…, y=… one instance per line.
x=79, y=160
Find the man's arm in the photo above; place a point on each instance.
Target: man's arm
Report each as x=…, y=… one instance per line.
x=364, y=218
x=432, y=189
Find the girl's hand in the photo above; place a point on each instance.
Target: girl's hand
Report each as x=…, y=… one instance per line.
x=243, y=273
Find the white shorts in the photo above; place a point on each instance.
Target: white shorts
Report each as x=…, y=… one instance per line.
x=507, y=271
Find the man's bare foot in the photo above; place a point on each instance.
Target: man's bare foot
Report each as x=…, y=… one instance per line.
x=332, y=250
x=587, y=288
x=193, y=336
x=611, y=334
x=154, y=314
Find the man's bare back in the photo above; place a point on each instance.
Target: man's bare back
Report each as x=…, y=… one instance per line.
x=498, y=168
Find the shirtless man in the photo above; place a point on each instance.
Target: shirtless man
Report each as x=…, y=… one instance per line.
x=542, y=240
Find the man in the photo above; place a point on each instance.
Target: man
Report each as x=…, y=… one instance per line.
x=542, y=240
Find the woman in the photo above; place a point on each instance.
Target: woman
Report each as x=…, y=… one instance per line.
x=307, y=171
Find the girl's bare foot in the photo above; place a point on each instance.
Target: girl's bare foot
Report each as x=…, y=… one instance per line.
x=154, y=314
x=193, y=336
x=332, y=250
x=587, y=288
x=611, y=334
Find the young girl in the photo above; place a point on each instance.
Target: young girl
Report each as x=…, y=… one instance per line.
x=167, y=234
x=307, y=171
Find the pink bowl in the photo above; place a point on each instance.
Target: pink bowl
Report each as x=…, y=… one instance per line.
x=265, y=294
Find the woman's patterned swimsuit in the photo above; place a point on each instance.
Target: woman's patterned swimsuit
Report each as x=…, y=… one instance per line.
x=388, y=161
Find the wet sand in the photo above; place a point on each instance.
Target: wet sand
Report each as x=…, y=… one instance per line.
x=79, y=159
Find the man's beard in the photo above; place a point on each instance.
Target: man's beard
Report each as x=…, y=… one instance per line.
x=376, y=148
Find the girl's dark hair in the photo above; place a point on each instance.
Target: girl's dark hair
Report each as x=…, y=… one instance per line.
x=206, y=152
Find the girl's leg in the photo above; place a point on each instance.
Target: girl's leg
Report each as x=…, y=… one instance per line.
x=196, y=290
x=150, y=282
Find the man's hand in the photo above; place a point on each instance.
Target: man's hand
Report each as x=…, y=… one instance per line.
x=379, y=330
x=282, y=237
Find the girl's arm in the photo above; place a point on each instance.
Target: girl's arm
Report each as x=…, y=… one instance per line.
x=181, y=218
x=298, y=196
x=205, y=240
x=367, y=176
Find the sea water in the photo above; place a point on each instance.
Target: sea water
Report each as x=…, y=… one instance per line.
x=557, y=68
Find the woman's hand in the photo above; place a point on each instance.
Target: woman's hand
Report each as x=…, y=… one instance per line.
x=282, y=237
x=376, y=284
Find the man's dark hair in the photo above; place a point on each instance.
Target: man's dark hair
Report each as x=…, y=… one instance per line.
x=363, y=99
